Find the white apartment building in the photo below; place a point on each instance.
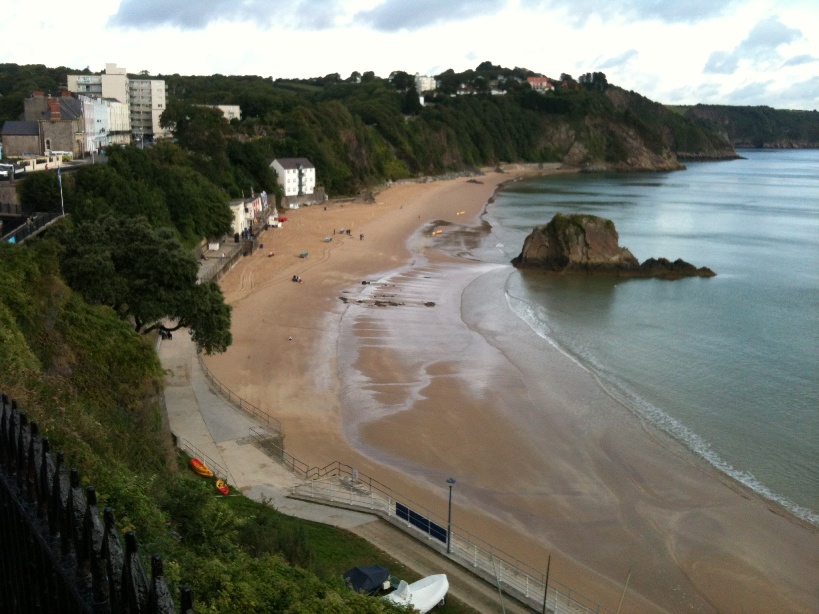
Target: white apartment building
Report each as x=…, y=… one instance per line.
x=144, y=99
x=424, y=83
x=297, y=176
x=120, y=119
x=147, y=100
x=113, y=83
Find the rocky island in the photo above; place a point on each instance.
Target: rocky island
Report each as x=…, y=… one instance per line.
x=590, y=244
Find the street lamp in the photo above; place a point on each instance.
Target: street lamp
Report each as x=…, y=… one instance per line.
x=449, y=481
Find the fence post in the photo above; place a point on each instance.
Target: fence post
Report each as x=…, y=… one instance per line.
x=114, y=557
x=134, y=578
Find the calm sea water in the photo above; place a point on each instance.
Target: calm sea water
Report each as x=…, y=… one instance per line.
x=727, y=365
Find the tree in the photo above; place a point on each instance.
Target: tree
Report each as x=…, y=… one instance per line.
x=449, y=82
x=401, y=80
x=146, y=276
x=40, y=192
x=198, y=129
x=411, y=104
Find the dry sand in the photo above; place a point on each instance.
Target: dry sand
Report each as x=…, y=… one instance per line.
x=605, y=498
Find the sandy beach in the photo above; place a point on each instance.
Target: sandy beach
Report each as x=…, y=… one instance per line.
x=545, y=466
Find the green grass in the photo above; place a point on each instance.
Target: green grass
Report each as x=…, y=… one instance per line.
x=335, y=550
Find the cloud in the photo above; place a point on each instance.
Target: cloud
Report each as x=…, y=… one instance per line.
x=760, y=46
x=801, y=95
x=619, y=60
x=800, y=59
x=749, y=94
x=185, y=15
x=722, y=62
x=690, y=11
x=393, y=15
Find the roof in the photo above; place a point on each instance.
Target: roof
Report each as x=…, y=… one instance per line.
x=70, y=108
x=21, y=128
x=292, y=163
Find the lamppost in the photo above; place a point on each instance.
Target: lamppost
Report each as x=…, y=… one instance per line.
x=449, y=481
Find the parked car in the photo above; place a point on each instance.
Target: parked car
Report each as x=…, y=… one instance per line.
x=6, y=170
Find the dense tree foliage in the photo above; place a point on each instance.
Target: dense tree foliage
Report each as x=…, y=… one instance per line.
x=146, y=276
x=160, y=183
x=760, y=126
x=128, y=243
x=39, y=192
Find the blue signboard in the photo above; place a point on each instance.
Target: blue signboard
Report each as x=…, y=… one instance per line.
x=420, y=522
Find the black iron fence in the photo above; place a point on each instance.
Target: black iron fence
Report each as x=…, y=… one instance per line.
x=57, y=553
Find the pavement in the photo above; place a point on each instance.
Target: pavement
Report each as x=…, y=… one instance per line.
x=217, y=433
x=208, y=427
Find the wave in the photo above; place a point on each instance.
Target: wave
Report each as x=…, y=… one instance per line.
x=536, y=318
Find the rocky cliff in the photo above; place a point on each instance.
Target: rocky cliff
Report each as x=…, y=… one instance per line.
x=686, y=137
x=590, y=244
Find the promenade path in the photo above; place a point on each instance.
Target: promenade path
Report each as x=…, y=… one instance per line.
x=218, y=433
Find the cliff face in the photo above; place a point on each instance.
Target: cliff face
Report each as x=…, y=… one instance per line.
x=686, y=137
x=590, y=244
x=610, y=145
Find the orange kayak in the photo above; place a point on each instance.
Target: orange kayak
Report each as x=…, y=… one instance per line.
x=201, y=468
x=222, y=487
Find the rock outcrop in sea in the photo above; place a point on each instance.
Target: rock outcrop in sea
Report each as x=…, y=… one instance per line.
x=590, y=244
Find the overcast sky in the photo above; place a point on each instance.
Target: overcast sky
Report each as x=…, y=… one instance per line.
x=744, y=52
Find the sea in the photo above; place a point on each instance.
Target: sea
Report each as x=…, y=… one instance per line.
x=728, y=366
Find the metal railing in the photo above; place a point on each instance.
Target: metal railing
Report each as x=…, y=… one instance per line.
x=32, y=226
x=219, y=470
x=234, y=399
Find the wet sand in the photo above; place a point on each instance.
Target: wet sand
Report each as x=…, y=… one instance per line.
x=546, y=464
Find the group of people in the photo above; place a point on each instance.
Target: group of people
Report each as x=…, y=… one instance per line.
x=298, y=279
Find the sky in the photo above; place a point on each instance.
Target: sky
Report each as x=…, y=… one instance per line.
x=737, y=52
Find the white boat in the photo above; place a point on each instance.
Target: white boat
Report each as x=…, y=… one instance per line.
x=422, y=595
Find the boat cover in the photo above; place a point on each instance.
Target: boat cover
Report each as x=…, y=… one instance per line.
x=367, y=579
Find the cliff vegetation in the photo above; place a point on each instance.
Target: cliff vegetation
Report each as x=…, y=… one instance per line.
x=759, y=127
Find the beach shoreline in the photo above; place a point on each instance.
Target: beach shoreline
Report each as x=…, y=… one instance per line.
x=610, y=506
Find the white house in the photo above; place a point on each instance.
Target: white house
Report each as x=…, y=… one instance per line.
x=297, y=176
x=424, y=83
x=242, y=214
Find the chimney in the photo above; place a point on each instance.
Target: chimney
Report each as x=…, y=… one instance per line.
x=65, y=94
x=37, y=94
x=54, y=109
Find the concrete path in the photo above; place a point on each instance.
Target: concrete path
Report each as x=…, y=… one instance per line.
x=216, y=432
